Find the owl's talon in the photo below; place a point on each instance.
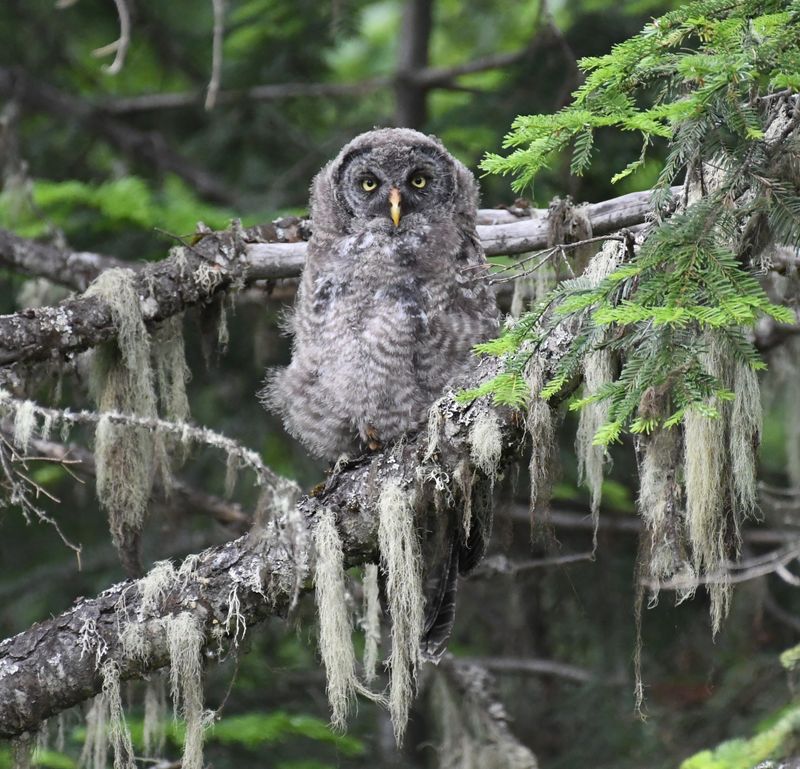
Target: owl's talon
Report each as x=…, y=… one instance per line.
x=373, y=441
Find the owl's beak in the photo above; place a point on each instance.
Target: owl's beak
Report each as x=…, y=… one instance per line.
x=394, y=205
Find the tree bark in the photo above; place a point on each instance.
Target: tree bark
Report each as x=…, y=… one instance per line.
x=411, y=96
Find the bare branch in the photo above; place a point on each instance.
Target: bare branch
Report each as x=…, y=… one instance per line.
x=532, y=667
x=743, y=571
x=183, y=498
x=199, y=271
x=267, y=92
x=74, y=269
x=216, y=54
x=147, y=147
x=120, y=46
x=500, y=565
x=426, y=78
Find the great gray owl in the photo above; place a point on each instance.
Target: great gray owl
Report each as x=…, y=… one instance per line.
x=391, y=299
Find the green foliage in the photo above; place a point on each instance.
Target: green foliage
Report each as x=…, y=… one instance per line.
x=775, y=741
x=697, y=78
x=697, y=67
x=790, y=659
x=254, y=729
x=124, y=203
x=47, y=759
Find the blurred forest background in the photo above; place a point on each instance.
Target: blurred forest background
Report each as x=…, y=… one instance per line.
x=123, y=163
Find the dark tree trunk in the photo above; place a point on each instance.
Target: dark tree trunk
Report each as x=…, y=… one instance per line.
x=411, y=95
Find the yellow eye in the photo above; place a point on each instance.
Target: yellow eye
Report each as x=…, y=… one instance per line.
x=369, y=185
x=419, y=181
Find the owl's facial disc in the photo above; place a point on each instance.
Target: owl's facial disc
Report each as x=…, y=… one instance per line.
x=394, y=186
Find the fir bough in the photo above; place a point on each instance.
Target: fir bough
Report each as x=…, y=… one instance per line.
x=716, y=81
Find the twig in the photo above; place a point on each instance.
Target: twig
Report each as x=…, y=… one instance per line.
x=20, y=486
x=120, y=46
x=501, y=565
x=544, y=256
x=734, y=573
x=216, y=54
x=182, y=497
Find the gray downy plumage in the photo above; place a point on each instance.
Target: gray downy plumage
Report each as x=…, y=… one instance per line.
x=386, y=314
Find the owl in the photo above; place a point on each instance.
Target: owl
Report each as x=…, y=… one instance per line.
x=392, y=297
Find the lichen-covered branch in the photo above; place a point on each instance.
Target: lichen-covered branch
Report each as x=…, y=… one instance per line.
x=53, y=665
x=193, y=274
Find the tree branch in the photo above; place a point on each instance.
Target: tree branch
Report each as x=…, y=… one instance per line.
x=74, y=269
x=149, y=148
x=527, y=666
x=181, y=497
x=44, y=670
x=426, y=78
x=197, y=272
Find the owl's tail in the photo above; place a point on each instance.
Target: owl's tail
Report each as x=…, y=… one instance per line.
x=454, y=554
x=440, y=610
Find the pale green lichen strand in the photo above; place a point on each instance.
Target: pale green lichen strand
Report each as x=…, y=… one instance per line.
x=402, y=564
x=371, y=621
x=335, y=627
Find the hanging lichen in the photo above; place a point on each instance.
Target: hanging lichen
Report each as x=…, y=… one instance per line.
x=185, y=641
x=172, y=373
x=400, y=556
x=154, y=729
x=371, y=621
x=792, y=400
x=486, y=443
x=24, y=425
x=540, y=426
x=473, y=727
x=154, y=586
x=122, y=381
x=744, y=438
x=598, y=370
x=22, y=752
x=717, y=450
x=118, y=733
x=95, y=745
x=659, y=504
x=704, y=463
x=335, y=626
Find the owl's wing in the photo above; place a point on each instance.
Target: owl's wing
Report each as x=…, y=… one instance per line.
x=469, y=316
x=448, y=553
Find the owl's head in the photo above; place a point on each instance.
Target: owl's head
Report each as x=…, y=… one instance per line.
x=390, y=178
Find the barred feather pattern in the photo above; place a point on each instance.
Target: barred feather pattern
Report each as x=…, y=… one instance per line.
x=385, y=314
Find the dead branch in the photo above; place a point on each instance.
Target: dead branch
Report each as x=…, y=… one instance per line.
x=216, y=54
x=196, y=273
x=425, y=78
x=74, y=269
x=532, y=667
x=183, y=499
